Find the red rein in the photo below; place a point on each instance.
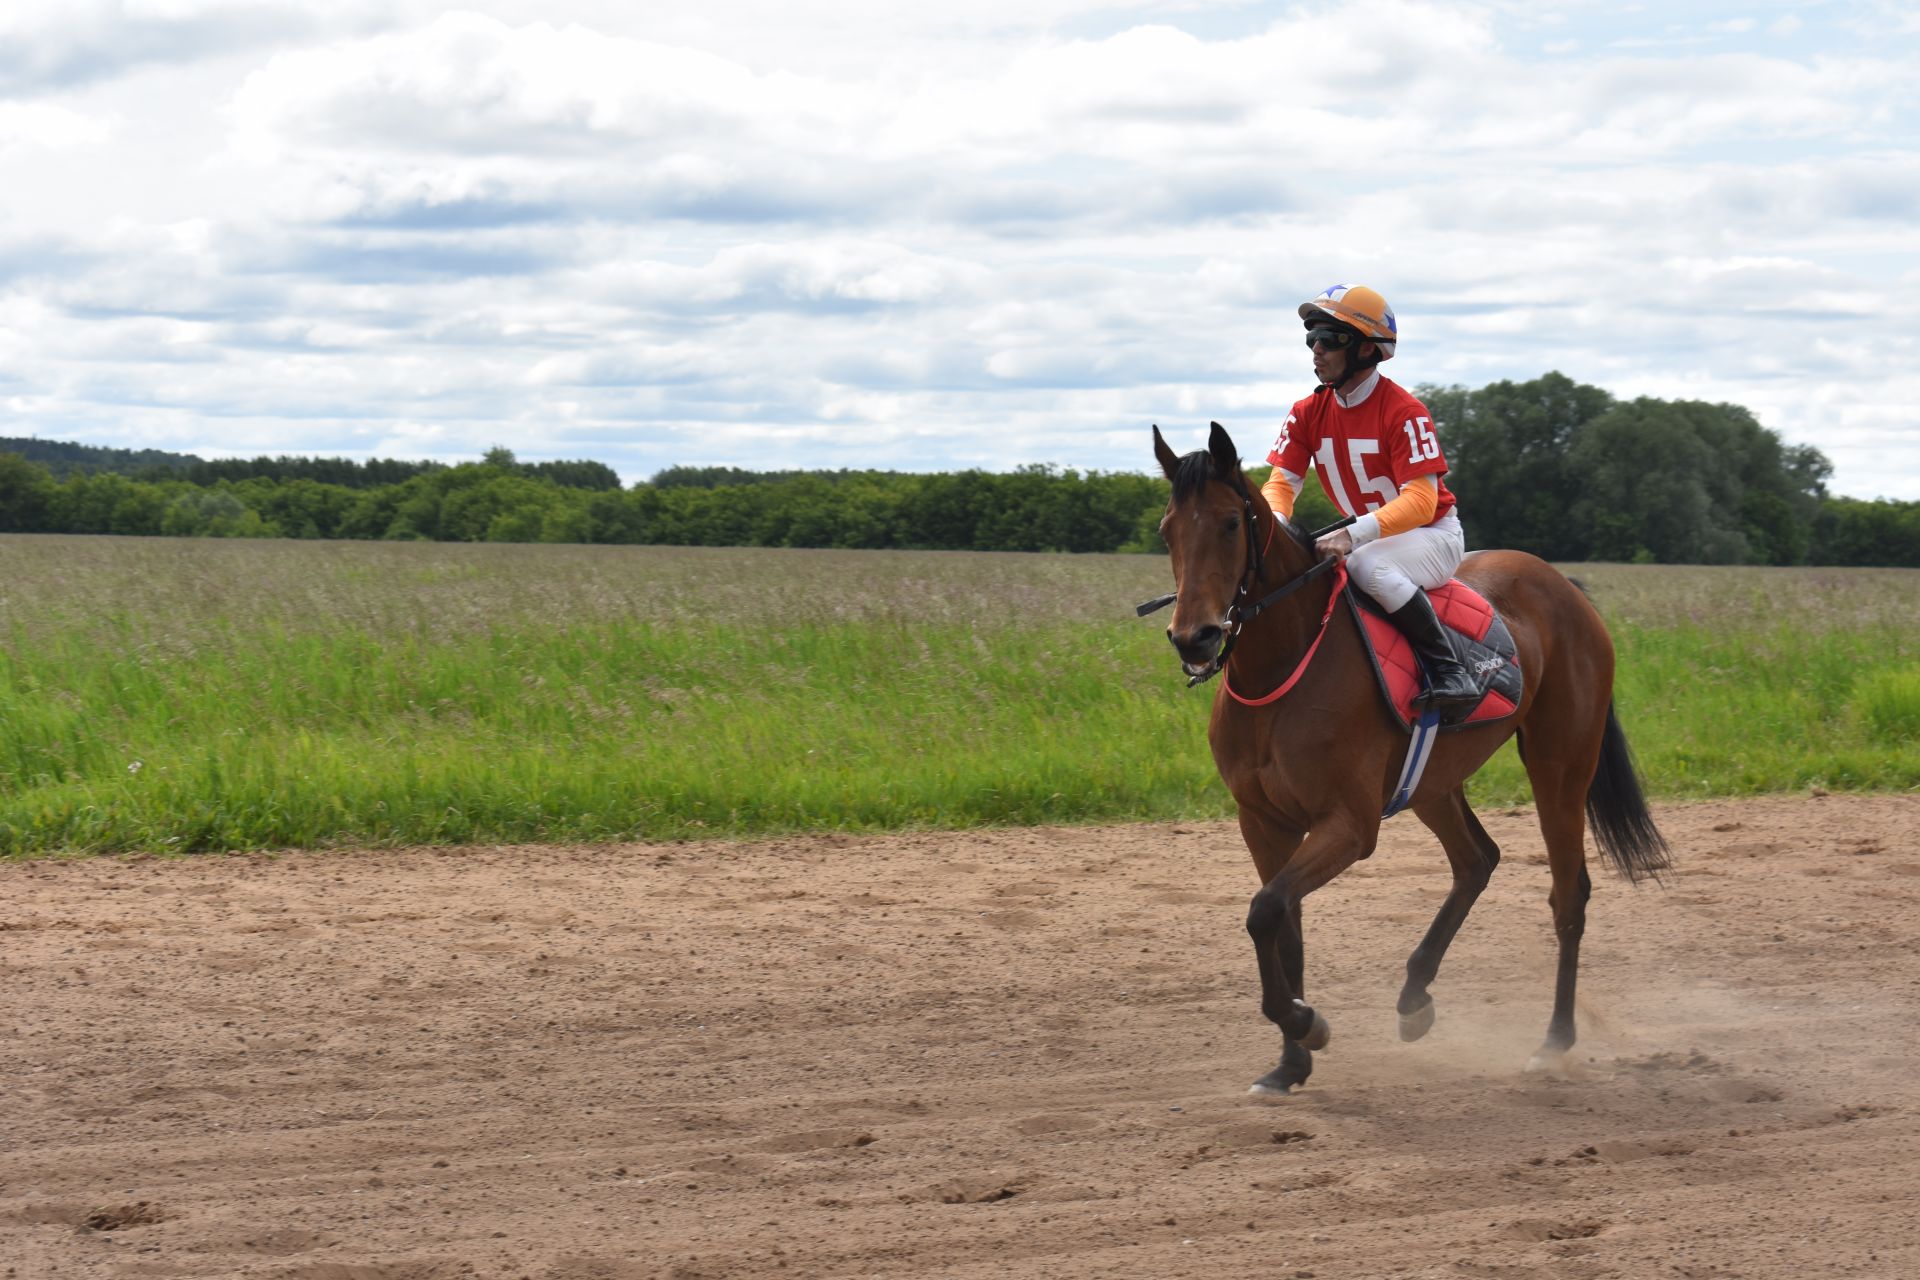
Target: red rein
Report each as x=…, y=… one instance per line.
x=1226, y=677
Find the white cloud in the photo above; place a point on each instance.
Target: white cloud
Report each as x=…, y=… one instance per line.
x=41, y=124
x=868, y=235
x=48, y=45
x=471, y=117
x=470, y=84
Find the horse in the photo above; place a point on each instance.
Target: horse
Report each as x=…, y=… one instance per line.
x=1310, y=770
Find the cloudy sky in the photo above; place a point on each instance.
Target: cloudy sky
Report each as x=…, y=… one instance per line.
x=824, y=233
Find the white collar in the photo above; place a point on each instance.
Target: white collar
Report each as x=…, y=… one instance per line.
x=1360, y=392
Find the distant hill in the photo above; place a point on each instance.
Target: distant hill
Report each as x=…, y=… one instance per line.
x=63, y=458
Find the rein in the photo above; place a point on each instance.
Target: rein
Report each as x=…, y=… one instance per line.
x=1241, y=611
x=1300, y=670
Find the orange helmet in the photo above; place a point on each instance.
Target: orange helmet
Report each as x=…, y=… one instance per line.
x=1359, y=307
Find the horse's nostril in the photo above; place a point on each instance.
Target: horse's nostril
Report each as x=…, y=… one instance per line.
x=1201, y=639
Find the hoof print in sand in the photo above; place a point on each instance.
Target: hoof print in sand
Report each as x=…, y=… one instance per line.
x=1541, y=1230
x=141, y=1213
x=982, y=1189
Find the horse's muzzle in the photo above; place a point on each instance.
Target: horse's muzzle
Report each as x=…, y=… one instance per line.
x=1196, y=647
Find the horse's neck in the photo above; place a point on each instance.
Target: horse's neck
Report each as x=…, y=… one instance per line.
x=1273, y=644
x=1286, y=559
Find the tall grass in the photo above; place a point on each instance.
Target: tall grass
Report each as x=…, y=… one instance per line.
x=174, y=694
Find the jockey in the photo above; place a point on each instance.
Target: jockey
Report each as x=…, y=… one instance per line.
x=1374, y=447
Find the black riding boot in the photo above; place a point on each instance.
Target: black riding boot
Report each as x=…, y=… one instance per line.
x=1451, y=690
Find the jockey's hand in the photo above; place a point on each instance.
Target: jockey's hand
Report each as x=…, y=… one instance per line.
x=1338, y=544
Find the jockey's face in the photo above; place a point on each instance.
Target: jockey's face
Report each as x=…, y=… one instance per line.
x=1333, y=353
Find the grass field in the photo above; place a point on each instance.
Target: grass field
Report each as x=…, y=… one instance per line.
x=195, y=694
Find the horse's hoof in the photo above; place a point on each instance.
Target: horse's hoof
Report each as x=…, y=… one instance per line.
x=1548, y=1060
x=1279, y=1082
x=1318, y=1034
x=1418, y=1023
x=1295, y=1065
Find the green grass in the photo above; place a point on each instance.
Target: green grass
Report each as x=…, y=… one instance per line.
x=189, y=695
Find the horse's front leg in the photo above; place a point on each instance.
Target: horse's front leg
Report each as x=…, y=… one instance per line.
x=1290, y=870
x=1297, y=1046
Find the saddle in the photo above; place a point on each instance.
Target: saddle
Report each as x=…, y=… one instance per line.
x=1481, y=640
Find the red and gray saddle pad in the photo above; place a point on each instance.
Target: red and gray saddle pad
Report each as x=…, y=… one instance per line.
x=1481, y=639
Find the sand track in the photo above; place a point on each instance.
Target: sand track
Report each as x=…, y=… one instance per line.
x=1019, y=1052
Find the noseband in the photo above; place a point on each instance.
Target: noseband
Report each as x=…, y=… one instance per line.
x=1244, y=609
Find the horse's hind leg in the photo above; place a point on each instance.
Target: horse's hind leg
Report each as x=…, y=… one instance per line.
x=1559, y=793
x=1473, y=856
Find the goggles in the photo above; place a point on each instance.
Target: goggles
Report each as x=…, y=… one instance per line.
x=1332, y=339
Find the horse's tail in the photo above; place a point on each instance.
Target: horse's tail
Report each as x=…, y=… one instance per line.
x=1617, y=811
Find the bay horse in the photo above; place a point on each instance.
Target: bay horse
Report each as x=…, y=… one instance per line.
x=1311, y=770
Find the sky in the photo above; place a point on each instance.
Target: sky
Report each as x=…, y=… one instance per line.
x=805, y=234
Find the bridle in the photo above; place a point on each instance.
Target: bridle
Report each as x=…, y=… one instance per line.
x=1244, y=609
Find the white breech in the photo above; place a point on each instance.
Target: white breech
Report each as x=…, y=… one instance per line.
x=1389, y=569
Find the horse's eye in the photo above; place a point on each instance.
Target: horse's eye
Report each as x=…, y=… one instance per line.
x=1233, y=524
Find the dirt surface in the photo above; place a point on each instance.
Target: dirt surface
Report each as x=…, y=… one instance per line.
x=1014, y=1053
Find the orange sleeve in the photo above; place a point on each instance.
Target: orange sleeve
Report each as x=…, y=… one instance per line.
x=1419, y=499
x=1279, y=494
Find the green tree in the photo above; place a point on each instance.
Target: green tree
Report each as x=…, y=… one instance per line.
x=26, y=495
x=142, y=511
x=597, y=476
x=1509, y=452
x=373, y=512
x=211, y=513
x=1685, y=482
x=85, y=503
x=948, y=510
x=1849, y=531
x=618, y=516
x=300, y=508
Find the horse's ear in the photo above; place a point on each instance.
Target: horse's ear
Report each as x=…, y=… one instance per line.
x=1169, y=462
x=1226, y=458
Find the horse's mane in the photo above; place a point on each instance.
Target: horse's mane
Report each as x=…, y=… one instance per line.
x=1301, y=535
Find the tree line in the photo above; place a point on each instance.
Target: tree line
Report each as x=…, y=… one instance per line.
x=1551, y=466
x=63, y=458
